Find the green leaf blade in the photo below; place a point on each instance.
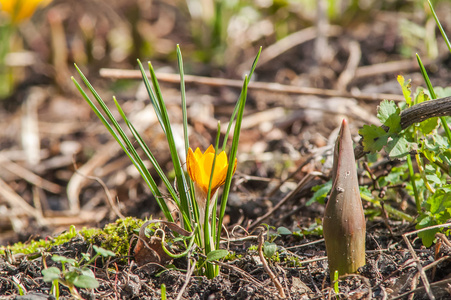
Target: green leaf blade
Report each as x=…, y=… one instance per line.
x=51, y=274
x=374, y=138
x=217, y=255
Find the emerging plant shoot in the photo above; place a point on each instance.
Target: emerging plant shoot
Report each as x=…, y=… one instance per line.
x=344, y=221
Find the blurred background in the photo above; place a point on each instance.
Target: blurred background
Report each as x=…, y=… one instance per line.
x=331, y=59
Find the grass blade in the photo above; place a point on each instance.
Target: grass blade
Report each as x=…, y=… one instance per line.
x=235, y=110
x=122, y=140
x=182, y=185
x=183, y=96
x=149, y=155
x=433, y=96
x=152, y=96
x=445, y=37
x=232, y=156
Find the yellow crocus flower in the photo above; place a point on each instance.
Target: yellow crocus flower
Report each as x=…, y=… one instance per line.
x=199, y=168
x=20, y=10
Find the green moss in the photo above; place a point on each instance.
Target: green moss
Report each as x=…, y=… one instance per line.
x=114, y=236
x=253, y=248
x=293, y=261
x=232, y=256
x=40, y=245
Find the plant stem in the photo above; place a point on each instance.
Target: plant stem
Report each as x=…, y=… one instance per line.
x=423, y=175
x=412, y=181
x=388, y=208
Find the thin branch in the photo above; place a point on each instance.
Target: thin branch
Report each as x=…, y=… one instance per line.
x=415, y=114
x=419, y=267
x=300, y=185
x=266, y=267
x=263, y=86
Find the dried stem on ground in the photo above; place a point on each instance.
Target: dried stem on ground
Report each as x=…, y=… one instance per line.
x=263, y=86
x=307, y=178
x=266, y=267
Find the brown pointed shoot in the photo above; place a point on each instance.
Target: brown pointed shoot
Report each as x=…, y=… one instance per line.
x=344, y=226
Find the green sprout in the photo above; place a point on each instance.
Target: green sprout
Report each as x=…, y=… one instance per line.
x=423, y=150
x=74, y=273
x=194, y=195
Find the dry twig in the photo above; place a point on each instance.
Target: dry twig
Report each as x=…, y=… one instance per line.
x=107, y=192
x=29, y=176
x=419, y=267
x=300, y=185
x=263, y=86
x=189, y=273
x=266, y=267
x=347, y=75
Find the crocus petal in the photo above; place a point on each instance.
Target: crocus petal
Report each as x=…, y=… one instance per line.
x=206, y=170
x=210, y=149
x=191, y=163
x=220, y=173
x=21, y=9
x=199, y=167
x=198, y=153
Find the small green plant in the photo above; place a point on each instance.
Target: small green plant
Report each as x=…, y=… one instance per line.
x=195, y=191
x=163, y=291
x=114, y=236
x=336, y=289
x=424, y=151
x=74, y=273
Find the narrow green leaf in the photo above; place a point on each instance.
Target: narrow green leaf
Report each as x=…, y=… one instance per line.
x=183, y=96
x=232, y=157
x=426, y=77
x=445, y=37
x=122, y=140
x=207, y=233
x=181, y=182
x=145, y=173
x=235, y=110
x=151, y=93
x=96, y=110
x=163, y=291
x=103, y=252
x=433, y=96
x=217, y=255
